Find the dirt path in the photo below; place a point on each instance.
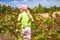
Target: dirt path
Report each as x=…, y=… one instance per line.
x=7, y=37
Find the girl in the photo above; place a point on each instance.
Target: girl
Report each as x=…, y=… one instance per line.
x=25, y=18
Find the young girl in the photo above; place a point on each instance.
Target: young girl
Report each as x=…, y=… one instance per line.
x=25, y=18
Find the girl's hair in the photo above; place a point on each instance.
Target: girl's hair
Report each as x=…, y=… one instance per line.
x=23, y=8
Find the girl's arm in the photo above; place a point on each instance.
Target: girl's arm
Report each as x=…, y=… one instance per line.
x=30, y=15
x=19, y=17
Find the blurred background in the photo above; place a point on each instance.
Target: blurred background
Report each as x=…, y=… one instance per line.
x=46, y=14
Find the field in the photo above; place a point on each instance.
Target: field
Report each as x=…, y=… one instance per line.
x=46, y=25
x=44, y=28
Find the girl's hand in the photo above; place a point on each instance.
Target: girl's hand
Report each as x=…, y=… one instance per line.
x=32, y=20
x=18, y=19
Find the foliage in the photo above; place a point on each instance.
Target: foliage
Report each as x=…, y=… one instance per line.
x=42, y=28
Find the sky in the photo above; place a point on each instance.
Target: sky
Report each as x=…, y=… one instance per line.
x=30, y=3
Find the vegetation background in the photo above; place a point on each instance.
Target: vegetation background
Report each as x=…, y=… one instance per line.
x=43, y=27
